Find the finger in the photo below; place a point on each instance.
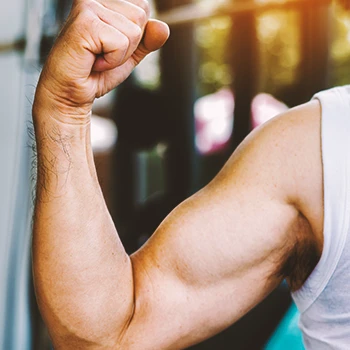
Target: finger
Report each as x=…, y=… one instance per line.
x=111, y=47
x=144, y=4
x=156, y=35
x=137, y=14
x=132, y=31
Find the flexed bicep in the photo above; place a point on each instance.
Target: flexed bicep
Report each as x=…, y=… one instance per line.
x=225, y=249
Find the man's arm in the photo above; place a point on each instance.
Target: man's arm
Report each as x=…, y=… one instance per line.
x=213, y=259
x=81, y=271
x=225, y=249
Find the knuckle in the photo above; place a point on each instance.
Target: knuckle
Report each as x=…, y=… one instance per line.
x=140, y=17
x=144, y=4
x=136, y=34
x=84, y=15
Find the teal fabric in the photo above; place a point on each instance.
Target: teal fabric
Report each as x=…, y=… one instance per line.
x=288, y=335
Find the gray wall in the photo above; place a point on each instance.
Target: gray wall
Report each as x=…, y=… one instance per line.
x=18, y=74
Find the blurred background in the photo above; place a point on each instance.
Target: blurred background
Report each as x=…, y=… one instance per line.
x=162, y=135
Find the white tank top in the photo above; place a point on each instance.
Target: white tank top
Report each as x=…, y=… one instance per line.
x=324, y=300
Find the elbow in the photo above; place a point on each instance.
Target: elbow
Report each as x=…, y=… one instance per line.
x=89, y=331
x=86, y=310
x=71, y=340
x=87, y=322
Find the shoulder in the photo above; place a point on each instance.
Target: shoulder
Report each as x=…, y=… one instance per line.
x=285, y=154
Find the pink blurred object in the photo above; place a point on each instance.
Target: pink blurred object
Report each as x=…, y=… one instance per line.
x=264, y=108
x=214, y=121
x=214, y=118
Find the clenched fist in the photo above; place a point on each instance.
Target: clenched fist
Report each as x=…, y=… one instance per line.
x=100, y=45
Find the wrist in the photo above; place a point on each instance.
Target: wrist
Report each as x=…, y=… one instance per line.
x=58, y=107
x=52, y=123
x=64, y=152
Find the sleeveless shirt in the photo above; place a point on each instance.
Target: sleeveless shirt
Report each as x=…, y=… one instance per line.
x=324, y=300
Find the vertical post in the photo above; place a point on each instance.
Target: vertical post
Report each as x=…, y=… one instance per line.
x=315, y=35
x=123, y=208
x=245, y=64
x=178, y=86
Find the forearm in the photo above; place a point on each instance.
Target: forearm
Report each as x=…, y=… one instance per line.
x=83, y=277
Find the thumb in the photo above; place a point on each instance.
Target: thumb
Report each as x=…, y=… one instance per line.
x=156, y=35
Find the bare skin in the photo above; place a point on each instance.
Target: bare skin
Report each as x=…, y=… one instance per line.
x=213, y=259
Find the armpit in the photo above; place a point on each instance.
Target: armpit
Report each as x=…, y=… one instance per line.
x=303, y=256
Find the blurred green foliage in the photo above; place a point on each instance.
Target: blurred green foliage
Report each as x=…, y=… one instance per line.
x=340, y=49
x=279, y=38
x=212, y=39
x=279, y=49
